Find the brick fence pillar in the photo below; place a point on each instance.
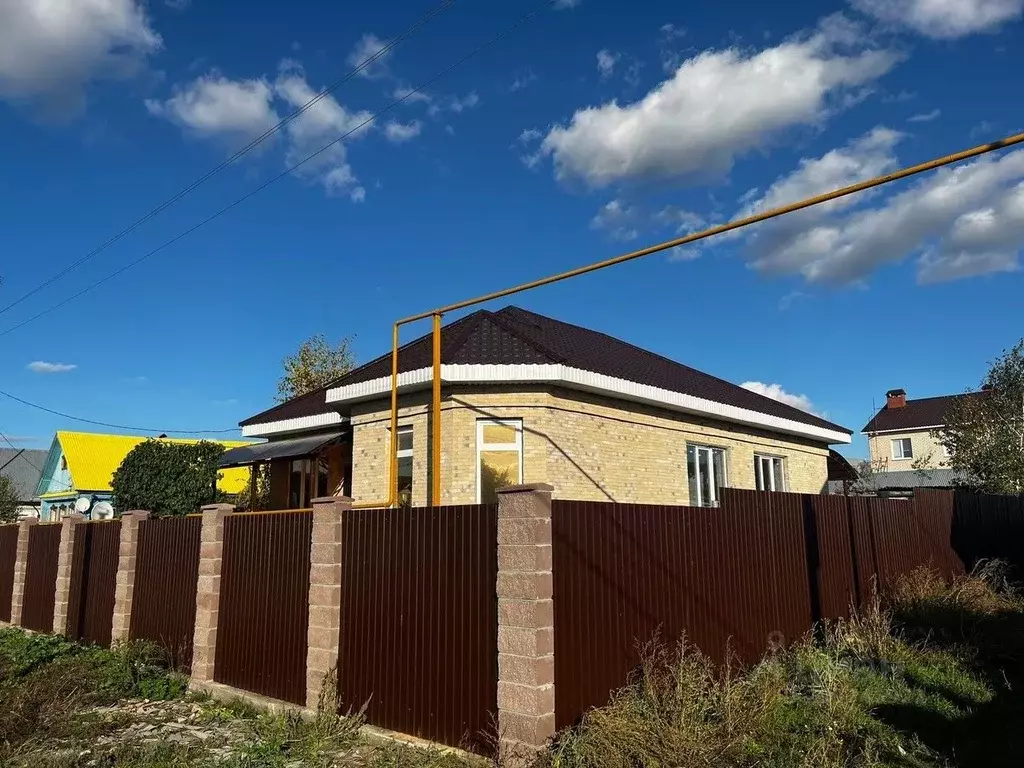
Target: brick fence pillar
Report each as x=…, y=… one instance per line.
x=324, y=597
x=65, y=556
x=526, y=652
x=20, y=568
x=211, y=551
x=125, y=585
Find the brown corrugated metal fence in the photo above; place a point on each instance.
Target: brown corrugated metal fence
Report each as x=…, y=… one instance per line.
x=757, y=571
x=264, y=609
x=93, y=580
x=987, y=527
x=41, y=577
x=8, y=553
x=419, y=621
x=166, y=574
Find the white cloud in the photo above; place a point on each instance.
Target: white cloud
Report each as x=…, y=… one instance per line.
x=522, y=81
x=468, y=101
x=406, y=92
x=369, y=45
x=925, y=117
x=944, y=19
x=529, y=135
x=791, y=298
x=616, y=218
x=178, y=5
x=682, y=220
x=397, y=132
x=41, y=366
x=717, y=106
x=51, y=49
x=776, y=392
x=213, y=105
x=958, y=222
x=606, y=61
x=322, y=123
x=561, y=5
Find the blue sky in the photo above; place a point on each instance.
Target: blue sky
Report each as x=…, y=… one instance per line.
x=594, y=129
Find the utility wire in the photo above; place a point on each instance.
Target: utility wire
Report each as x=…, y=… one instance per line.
x=23, y=457
x=369, y=61
x=118, y=426
x=426, y=83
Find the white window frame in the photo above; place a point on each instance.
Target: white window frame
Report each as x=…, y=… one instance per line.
x=759, y=483
x=405, y=453
x=711, y=463
x=902, y=456
x=517, y=446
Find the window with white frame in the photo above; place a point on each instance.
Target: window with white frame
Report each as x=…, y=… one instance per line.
x=768, y=473
x=405, y=466
x=705, y=470
x=902, y=448
x=499, y=457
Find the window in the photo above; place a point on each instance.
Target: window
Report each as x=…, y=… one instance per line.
x=405, y=466
x=705, y=469
x=499, y=450
x=296, y=483
x=63, y=463
x=902, y=448
x=768, y=473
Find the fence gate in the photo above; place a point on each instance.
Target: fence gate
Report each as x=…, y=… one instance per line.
x=166, y=576
x=8, y=552
x=41, y=577
x=264, y=604
x=419, y=622
x=93, y=581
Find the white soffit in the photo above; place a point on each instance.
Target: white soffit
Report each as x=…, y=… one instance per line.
x=576, y=378
x=293, y=425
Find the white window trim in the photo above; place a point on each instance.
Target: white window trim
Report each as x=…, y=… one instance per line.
x=725, y=468
x=892, y=449
x=406, y=453
x=517, y=446
x=759, y=471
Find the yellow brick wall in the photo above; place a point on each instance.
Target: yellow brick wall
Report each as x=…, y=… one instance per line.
x=928, y=452
x=587, y=447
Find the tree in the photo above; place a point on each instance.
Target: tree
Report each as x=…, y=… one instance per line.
x=168, y=479
x=315, y=365
x=984, y=434
x=9, y=501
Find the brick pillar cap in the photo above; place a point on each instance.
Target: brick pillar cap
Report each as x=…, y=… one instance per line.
x=74, y=517
x=138, y=514
x=332, y=500
x=218, y=508
x=526, y=488
x=29, y=521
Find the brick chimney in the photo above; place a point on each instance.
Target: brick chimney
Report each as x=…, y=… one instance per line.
x=895, y=398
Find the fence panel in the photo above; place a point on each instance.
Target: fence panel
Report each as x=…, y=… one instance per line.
x=838, y=586
x=8, y=553
x=166, y=577
x=419, y=626
x=989, y=527
x=264, y=608
x=41, y=577
x=732, y=577
x=93, y=581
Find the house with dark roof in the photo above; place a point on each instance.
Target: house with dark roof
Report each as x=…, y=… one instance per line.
x=905, y=451
x=23, y=468
x=525, y=399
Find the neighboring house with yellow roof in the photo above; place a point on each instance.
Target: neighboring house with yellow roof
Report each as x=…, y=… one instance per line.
x=80, y=465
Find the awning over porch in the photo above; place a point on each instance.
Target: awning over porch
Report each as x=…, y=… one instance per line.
x=278, y=449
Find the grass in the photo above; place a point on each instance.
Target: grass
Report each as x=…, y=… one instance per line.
x=928, y=678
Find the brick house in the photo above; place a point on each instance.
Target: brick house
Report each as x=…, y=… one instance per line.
x=905, y=451
x=527, y=398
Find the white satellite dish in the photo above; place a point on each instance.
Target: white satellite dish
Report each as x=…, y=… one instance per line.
x=82, y=504
x=103, y=510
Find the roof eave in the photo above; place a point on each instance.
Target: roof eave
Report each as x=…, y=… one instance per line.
x=575, y=378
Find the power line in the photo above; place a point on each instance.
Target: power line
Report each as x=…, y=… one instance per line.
x=118, y=426
x=369, y=61
x=426, y=83
x=23, y=457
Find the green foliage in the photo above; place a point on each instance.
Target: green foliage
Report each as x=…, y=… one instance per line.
x=984, y=435
x=314, y=365
x=167, y=478
x=9, y=501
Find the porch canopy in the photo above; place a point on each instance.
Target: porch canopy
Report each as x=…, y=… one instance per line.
x=296, y=448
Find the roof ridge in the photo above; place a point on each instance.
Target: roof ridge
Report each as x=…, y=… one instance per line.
x=511, y=328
